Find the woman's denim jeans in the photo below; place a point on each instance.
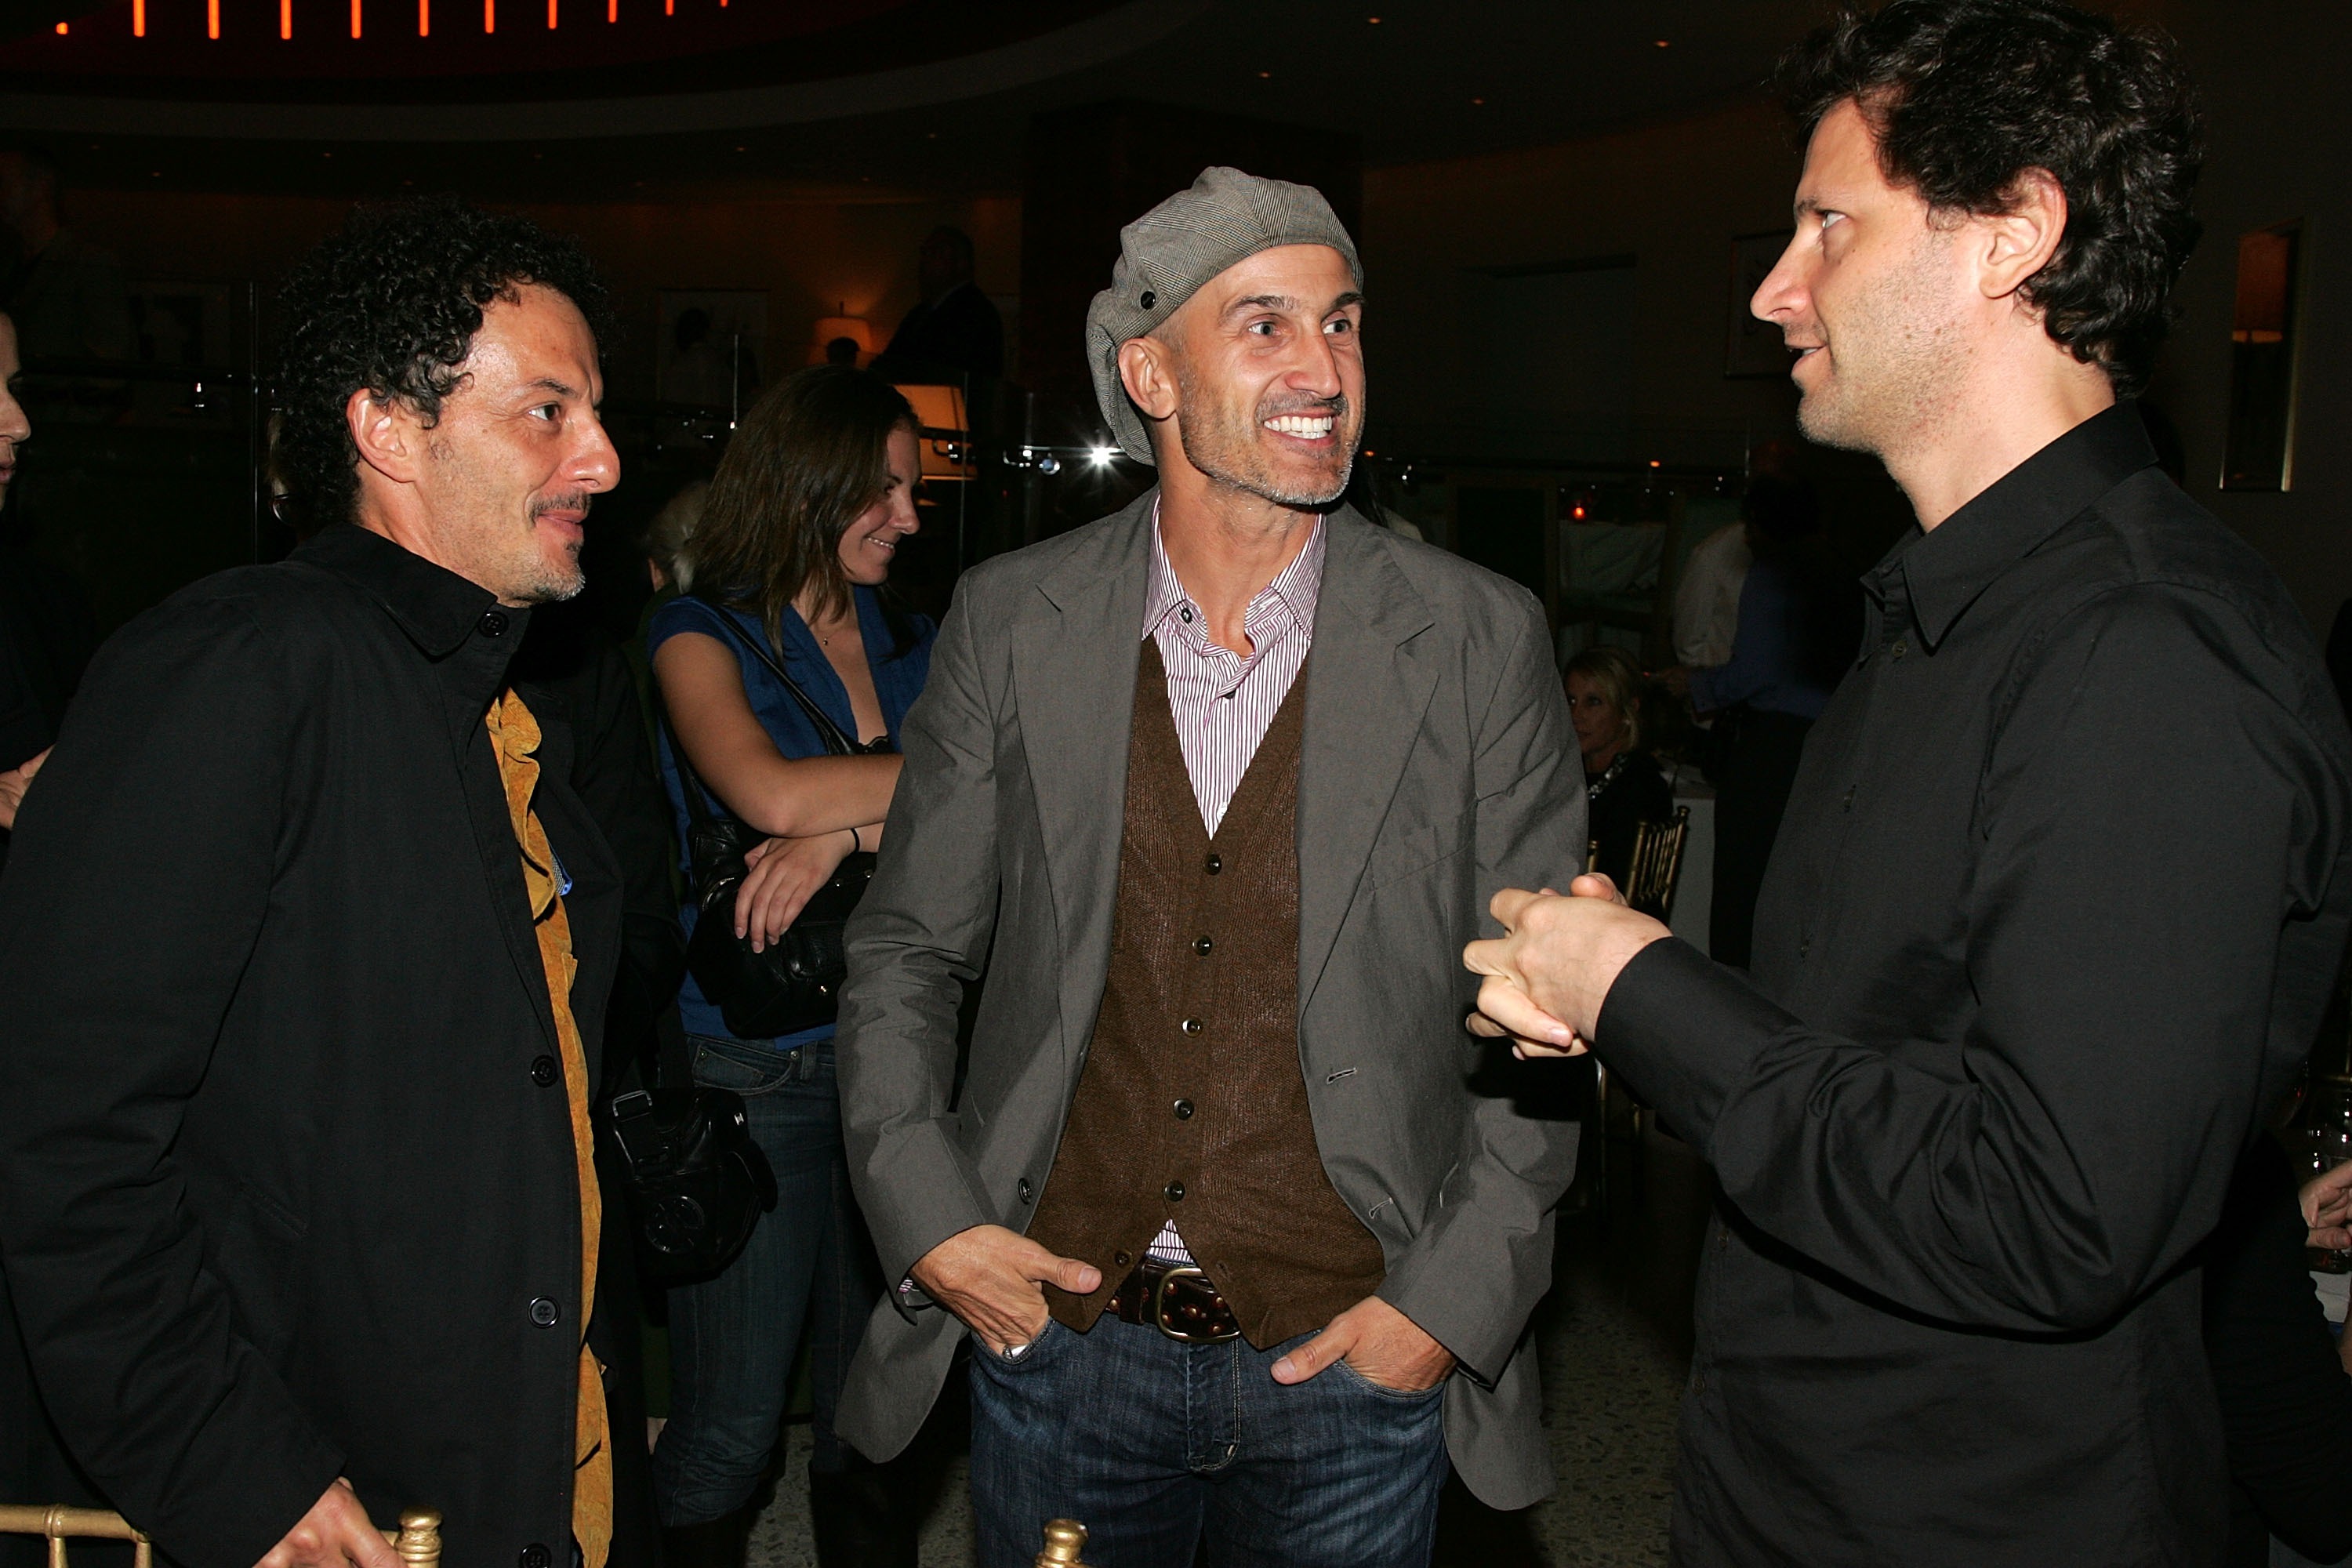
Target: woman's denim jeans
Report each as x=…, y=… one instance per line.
x=733, y=1340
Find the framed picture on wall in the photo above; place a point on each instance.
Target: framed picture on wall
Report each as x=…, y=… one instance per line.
x=1753, y=348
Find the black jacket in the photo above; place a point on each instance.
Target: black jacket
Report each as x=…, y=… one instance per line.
x=2059, y=896
x=286, y=1166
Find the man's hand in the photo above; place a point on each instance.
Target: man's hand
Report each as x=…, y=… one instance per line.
x=334, y=1532
x=1382, y=1345
x=2327, y=1209
x=13, y=784
x=784, y=873
x=1551, y=970
x=989, y=1276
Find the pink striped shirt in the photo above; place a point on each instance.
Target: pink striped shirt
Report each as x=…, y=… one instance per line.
x=1223, y=703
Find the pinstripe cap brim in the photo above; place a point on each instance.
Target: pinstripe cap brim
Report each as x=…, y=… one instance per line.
x=1168, y=254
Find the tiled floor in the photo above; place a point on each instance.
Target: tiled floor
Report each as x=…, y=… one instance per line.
x=1614, y=1337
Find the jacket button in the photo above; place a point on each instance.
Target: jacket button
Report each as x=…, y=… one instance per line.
x=534, y=1556
x=1804, y=946
x=1214, y=864
x=1173, y=1192
x=1184, y=1110
x=494, y=624
x=1192, y=1025
x=543, y=1071
x=1202, y=944
x=1121, y=1259
x=544, y=1311
x=1024, y=1189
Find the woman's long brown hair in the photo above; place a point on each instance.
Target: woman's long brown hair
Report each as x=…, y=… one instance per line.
x=808, y=460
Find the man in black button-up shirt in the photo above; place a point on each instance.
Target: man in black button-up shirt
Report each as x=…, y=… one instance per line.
x=2060, y=893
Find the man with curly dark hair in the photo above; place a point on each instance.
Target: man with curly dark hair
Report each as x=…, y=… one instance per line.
x=304, y=953
x=2062, y=884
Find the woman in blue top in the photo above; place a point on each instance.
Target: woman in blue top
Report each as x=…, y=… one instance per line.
x=805, y=515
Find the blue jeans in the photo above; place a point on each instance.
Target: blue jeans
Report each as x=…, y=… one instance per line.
x=733, y=1340
x=1157, y=1448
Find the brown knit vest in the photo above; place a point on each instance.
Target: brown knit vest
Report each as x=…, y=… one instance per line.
x=1192, y=1105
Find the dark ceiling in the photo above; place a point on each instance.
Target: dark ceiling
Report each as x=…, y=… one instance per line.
x=894, y=97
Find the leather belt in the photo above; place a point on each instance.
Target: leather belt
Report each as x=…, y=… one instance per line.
x=1176, y=1298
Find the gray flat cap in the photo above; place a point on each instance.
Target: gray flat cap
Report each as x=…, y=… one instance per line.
x=1165, y=256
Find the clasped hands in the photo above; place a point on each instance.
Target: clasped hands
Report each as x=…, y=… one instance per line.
x=990, y=1277
x=1549, y=972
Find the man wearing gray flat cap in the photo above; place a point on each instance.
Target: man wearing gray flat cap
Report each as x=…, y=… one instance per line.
x=1215, y=789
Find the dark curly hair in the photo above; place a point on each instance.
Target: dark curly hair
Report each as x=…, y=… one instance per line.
x=391, y=302
x=1964, y=96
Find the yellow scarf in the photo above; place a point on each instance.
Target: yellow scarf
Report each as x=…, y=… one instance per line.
x=514, y=734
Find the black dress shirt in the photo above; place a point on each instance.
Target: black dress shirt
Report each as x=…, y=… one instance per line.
x=286, y=1178
x=2060, y=893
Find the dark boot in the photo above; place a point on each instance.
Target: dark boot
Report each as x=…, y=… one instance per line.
x=858, y=1520
x=721, y=1543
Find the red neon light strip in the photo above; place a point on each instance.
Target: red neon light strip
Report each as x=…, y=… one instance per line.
x=138, y=18
x=489, y=15
x=285, y=18
x=212, y=19
x=612, y=10
x=550, y=14
x=424, y=18
x=355, y=18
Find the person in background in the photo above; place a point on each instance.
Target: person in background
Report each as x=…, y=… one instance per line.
x=2281, y=1388
x=2065, y=879
x=67, y=297
x=46, y=635
x=1800, y=620
x=300, y=1220
x=790, y=555
x=1623, y=785
x=956, y=328
x=1706, y=600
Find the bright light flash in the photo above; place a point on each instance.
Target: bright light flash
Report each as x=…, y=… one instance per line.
x=1101, y=456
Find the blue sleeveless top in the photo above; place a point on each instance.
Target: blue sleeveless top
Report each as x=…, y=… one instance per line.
x=897, y=683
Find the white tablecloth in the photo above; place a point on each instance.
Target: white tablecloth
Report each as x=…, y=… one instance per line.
x=1694, y=892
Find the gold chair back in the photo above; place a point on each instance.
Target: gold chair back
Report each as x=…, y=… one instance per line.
x=418, y=1538
x=1658, y=863
x=1065, y=1538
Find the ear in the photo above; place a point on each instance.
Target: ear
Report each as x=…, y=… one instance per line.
x=386, y=433
x=2019, y=242
x=1146, y=367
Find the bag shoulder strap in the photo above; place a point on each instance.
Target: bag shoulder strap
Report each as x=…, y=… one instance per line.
x=836, y=744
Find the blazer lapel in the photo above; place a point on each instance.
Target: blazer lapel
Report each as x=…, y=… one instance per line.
x=1074, y=648
x=1368, y=685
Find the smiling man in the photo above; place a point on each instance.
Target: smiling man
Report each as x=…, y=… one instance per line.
x=1241, y=1252
x=2063, y=886
x=304, y=949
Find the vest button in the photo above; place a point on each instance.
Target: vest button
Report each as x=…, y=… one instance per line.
x=1202, y=944
x=1214, y=864
x=543, y=1071
x=1173, y=1192
x=1121, y=1259
x=1192, y=1025
x=544, y=1313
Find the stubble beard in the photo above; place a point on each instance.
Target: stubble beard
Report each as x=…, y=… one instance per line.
x=1225, y=448
x=1898, y=361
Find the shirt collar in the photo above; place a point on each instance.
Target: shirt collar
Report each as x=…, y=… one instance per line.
x=437, y=609
x=1945, y=569
x=1295, y=590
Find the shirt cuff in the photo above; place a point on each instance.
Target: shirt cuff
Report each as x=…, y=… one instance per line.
x=1684, y=1032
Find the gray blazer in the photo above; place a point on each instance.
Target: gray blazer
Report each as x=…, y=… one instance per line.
x=1437, y=768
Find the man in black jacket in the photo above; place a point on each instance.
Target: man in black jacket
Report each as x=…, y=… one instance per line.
x=2064, y=880
x=304, y=949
